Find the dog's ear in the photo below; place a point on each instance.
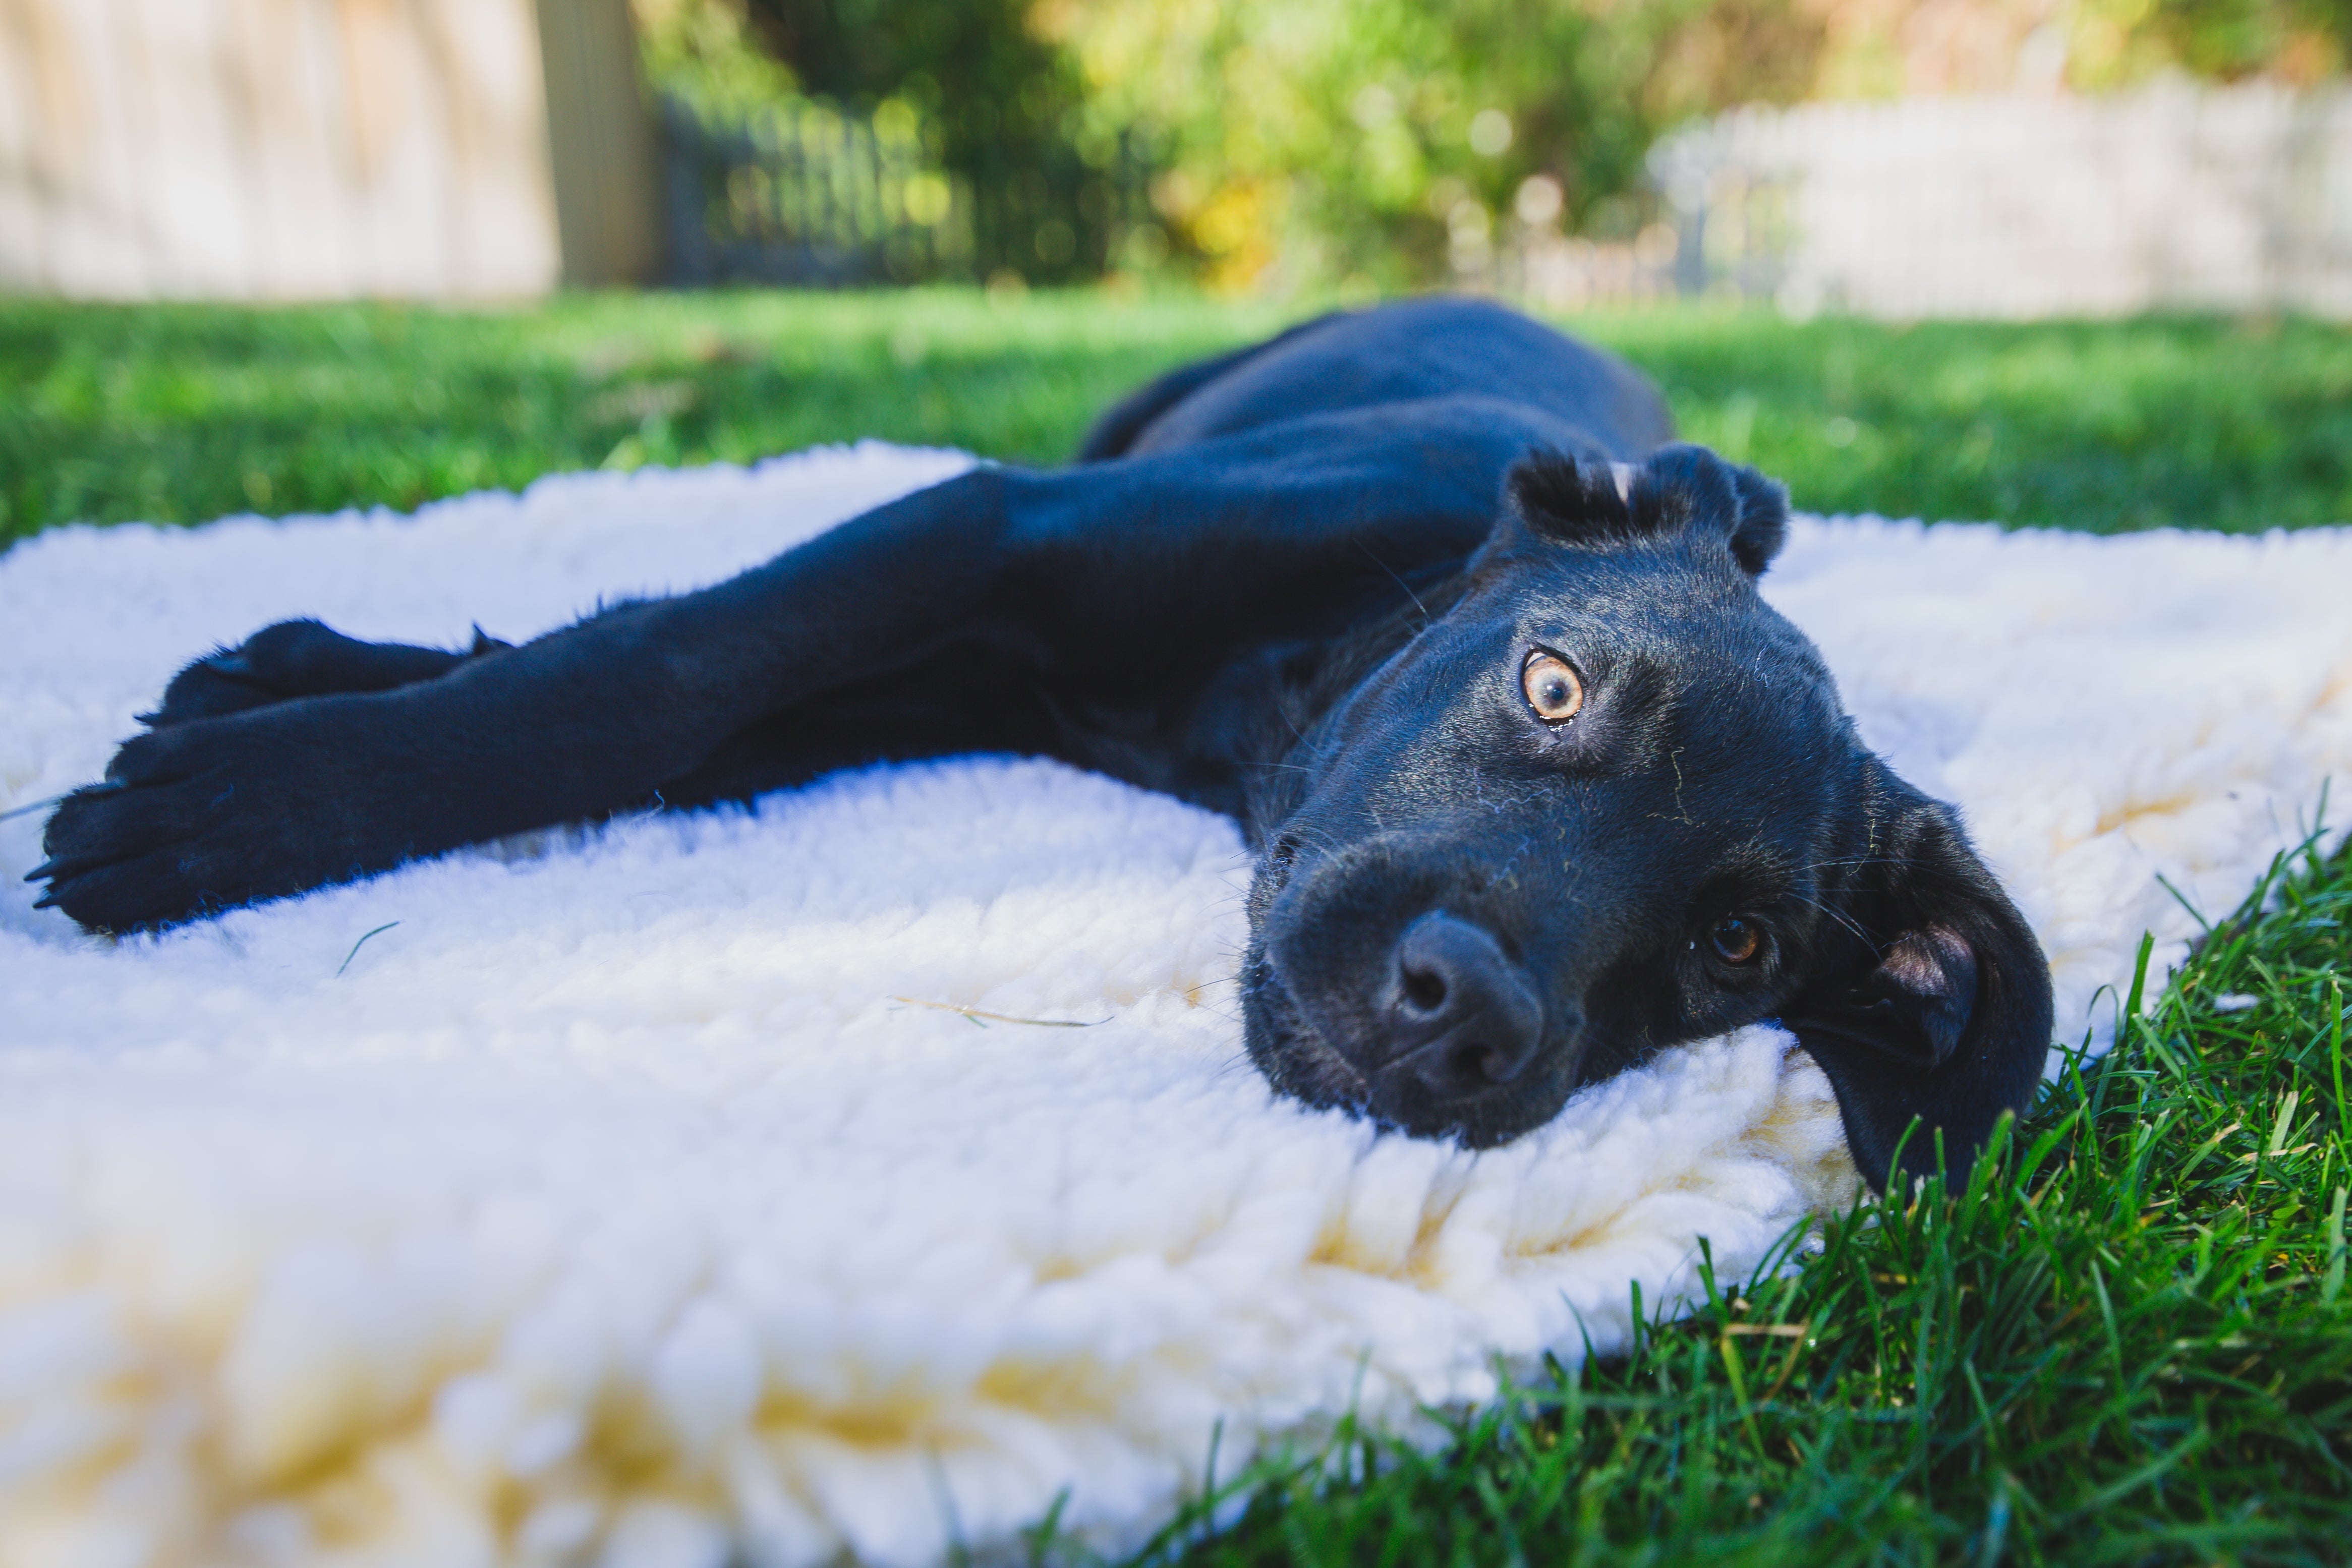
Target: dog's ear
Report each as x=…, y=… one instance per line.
x=1691, y=487
x=1934, y=1004
x=1567, y=501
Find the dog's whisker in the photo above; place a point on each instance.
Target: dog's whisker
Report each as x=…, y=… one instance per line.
x=1832, y=914
x=1401, y=582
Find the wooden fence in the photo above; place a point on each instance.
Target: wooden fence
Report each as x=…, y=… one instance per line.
x=276, y=149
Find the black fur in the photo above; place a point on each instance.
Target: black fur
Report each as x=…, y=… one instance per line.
x=1301, y=585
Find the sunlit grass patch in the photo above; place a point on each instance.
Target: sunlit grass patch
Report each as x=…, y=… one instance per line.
x=2104, y=425
x=177, y=413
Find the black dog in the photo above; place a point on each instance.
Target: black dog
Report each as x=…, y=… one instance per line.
x=1535, y=795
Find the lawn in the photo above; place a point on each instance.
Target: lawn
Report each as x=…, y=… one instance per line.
x=180, y=413
x=2129, y=1341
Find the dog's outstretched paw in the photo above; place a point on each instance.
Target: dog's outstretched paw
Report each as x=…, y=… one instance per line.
x=300, y=659
x=208, y=814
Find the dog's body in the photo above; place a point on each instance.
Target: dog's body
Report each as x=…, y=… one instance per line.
x=1534, y=796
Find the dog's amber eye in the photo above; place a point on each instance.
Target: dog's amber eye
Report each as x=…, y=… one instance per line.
x=1736, y=941
x=1553, y=689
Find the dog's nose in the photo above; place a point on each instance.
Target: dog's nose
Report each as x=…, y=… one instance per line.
x=1459, y=1016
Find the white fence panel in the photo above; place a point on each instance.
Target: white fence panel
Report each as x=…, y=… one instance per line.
x=2172, y=197
x=274, y=149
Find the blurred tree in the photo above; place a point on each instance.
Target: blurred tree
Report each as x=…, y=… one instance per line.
x=995, y=104
x=1887, y=47
x=705, y=53
x=1389, y=140
x=1382, y=143
x=1003, y=100
x=967, y=51
x=2299, y=40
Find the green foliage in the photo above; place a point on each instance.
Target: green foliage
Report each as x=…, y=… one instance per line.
x=1383, y=143
x=1386, y=140
x=1395, y=140
x=1001, y=91
x=2128, y=1341
x=993, y=106
x=2231, y=39
x=2117, y=41
x=1378, y=139
x=706, y=54
x=997, y=100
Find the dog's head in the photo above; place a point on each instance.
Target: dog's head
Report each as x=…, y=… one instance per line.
x=1608, y=801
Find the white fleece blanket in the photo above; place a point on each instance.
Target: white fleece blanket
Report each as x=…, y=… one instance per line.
x=618, y=1197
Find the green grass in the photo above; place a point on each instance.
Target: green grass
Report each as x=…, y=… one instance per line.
x=180, y=413
x=2129, y=1340
x=2105, y=427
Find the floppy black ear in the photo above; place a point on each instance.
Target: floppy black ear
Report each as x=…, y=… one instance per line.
x=1589, y=502
x=1937, y=1006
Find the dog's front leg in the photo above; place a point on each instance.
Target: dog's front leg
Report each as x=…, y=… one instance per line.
x=1102, y=581
x=213, y=812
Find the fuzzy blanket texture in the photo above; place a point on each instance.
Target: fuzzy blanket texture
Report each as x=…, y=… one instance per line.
x=625, y=1197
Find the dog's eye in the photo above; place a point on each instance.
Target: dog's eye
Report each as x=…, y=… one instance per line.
x=1736, y=941
x=1553, y=689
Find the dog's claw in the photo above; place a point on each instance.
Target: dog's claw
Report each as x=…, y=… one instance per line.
x=47, y=901
x=45, y=868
